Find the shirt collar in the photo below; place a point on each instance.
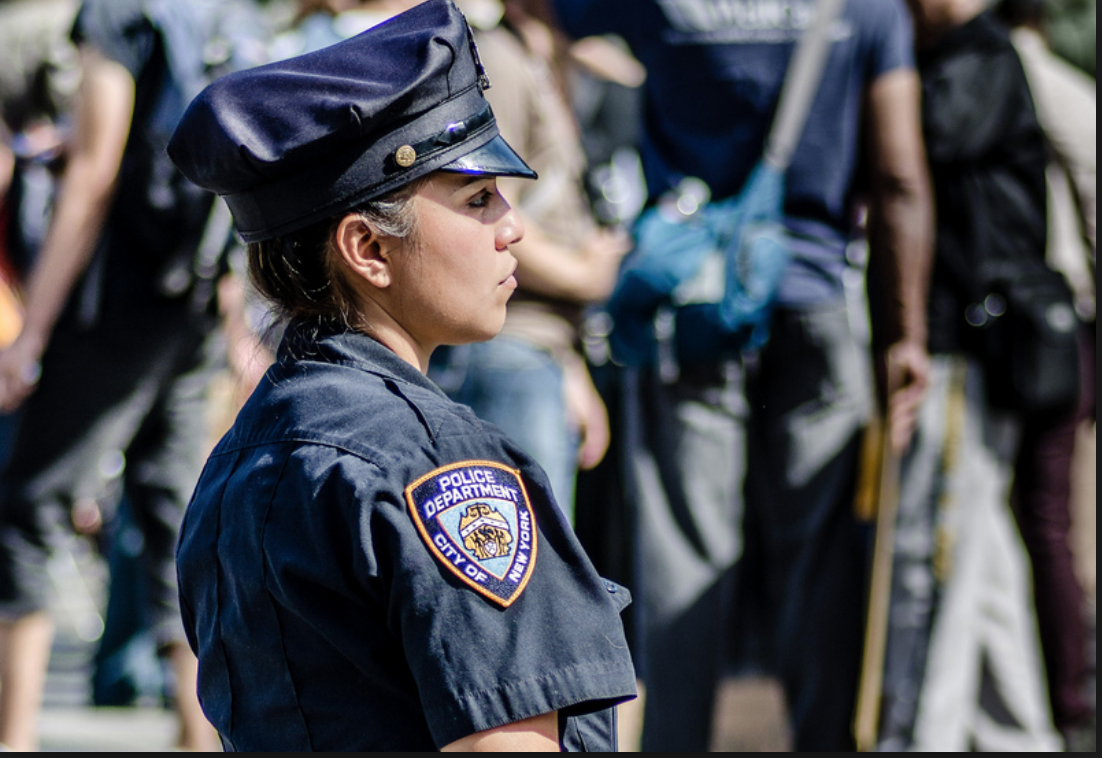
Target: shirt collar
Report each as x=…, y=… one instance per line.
x=311, y=339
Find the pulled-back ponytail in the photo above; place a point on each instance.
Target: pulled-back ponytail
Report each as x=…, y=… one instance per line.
x=300, y=273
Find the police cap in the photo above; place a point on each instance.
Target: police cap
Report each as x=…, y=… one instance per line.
x=294, y=142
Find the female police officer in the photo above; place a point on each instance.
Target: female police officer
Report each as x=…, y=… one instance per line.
x=364, y=564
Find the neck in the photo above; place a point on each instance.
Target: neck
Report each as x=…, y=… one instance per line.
x=376, y=322
x=935, y=19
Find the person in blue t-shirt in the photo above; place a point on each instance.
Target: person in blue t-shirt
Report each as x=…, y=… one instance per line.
x=784, y=427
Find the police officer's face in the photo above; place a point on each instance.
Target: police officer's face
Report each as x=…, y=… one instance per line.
x=455, y=284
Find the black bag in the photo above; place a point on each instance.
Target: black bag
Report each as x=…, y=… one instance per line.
x=1030, y=341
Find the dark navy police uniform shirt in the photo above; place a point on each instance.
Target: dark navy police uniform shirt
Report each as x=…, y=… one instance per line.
x=714, y=75
x=365, y=565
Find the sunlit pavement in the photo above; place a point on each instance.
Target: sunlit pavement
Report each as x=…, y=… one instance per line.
x=116, y=730
x=68, y=722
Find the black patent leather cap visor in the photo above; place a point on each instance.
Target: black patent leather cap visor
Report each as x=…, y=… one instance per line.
x=495, y=158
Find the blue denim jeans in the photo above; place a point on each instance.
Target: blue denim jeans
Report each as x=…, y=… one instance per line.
x=517, y=386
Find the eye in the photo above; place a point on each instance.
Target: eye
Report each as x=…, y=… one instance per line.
x=482, y=199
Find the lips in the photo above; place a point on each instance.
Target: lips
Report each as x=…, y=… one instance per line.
x=511, y=279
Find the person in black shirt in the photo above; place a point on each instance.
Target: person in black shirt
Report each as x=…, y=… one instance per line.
x=962, y=665
x=118, y=343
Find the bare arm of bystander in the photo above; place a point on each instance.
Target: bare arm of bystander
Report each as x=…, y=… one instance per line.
x=102, y=115
x=901, y=231
x=583, y=276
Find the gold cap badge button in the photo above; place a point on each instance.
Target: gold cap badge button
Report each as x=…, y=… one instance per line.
x=406, y=156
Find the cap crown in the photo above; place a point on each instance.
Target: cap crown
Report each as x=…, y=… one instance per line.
x=296, y=141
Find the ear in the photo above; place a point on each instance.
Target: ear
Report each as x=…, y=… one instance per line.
x=366, y=252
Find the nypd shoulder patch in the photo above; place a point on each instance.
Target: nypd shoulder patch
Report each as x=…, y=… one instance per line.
x=477, y=521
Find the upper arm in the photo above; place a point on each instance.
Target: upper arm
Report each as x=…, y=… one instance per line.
x=539, y=734
x=900, y=227
x=897, y=158
x=893, y=121
x=483, y=574
x=103, y=113
x=116, y=41
x=1067, y=109
x=7, y=166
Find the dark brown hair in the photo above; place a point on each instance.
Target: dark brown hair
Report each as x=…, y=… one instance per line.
x=300, y=273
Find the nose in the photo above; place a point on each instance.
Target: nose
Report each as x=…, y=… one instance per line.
x=510, y=230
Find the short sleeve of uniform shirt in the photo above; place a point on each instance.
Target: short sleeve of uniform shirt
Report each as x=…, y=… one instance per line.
x=359, y=507
x=479, y=663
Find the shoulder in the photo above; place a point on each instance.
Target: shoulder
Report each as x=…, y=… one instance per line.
x=100, y=18
x=349, y=443
x=120, y=29
x=400, y=426
x=498, y=47
x=1053, y=72
x=873, y=14
x=375, y=452
x=510, y=68
x=972, y=53
x=886, y=33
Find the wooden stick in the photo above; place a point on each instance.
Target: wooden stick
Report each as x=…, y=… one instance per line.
x=866, y=726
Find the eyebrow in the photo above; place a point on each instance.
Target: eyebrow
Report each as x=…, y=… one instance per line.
x=473, y=178
x=468, y=179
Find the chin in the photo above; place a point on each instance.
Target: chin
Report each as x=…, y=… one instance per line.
x=480, y=333
x=495, y=325
x=490, y=334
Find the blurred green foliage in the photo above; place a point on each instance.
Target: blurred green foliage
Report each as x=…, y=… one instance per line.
x=1072, y=31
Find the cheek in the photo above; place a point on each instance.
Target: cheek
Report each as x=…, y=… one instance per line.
x=445, y=296
x=463, y=260
x=470, y=305
x=453, y=287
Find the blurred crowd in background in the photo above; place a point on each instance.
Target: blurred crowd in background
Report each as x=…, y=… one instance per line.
x=733, y=499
